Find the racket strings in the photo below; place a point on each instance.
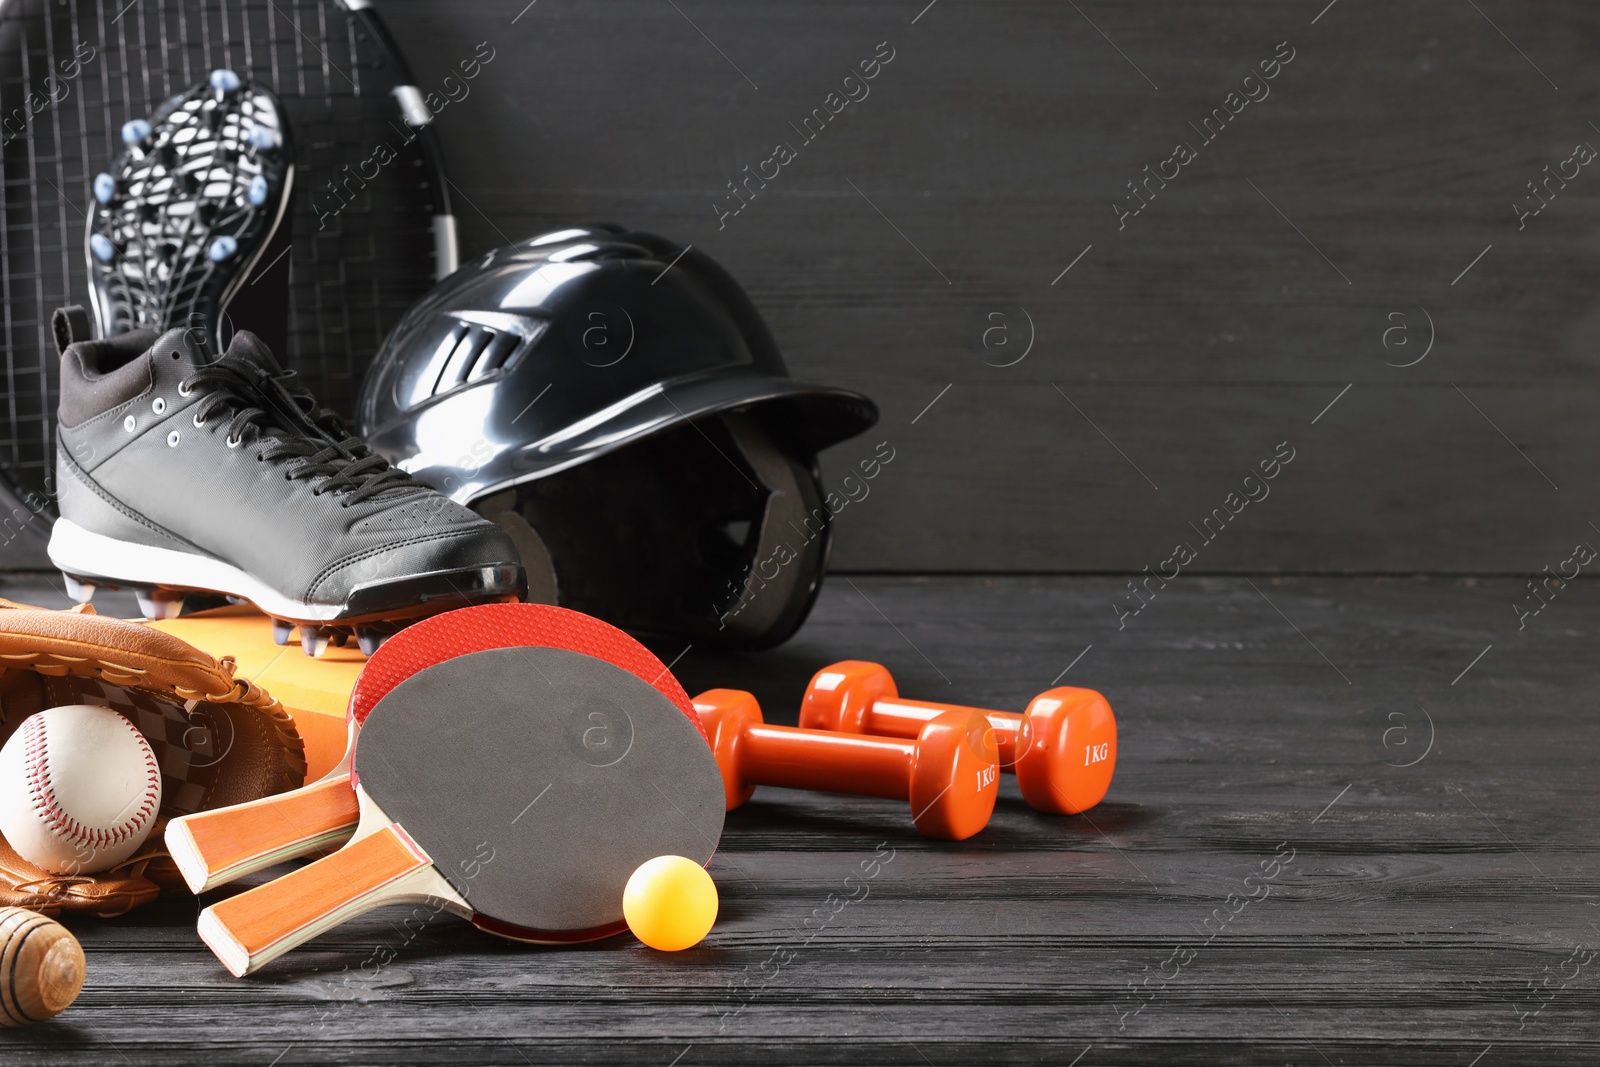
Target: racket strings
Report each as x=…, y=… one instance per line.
x=33, y=174
x=357, y=260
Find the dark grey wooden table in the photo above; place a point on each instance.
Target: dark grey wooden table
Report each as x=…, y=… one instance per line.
x=1353, y=822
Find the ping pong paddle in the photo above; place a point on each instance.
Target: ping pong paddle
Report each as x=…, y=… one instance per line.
x=516, y=787
x=213, y=848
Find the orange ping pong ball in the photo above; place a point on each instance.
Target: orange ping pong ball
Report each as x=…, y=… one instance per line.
x=670, y=903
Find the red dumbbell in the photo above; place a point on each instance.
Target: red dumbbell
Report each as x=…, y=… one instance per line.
x=1062, y=749
x=947, y=772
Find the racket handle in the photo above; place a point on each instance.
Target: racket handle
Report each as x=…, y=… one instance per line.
x=213, y=848
x=259, y=925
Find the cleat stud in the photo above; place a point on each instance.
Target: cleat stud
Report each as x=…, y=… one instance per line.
x=135, y=132
x=257, y=191
x=105, y=188
x=100, y=245
x=222, y=249
x=224, y=80
x=313, y=642
x=370, y=641
x=263, y=138
x=82, y=592
x=159, y=604
x=281, y=632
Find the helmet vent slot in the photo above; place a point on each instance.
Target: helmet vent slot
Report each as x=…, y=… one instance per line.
x=442, y=359
x=473, y=351
x=501, y=347
x=459, y=366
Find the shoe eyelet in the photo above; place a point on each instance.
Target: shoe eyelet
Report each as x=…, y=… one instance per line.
x=159, y=406
x=198, y=422
x=234, y=442
x=129, y=423
x=173, y=439
x=184, y=390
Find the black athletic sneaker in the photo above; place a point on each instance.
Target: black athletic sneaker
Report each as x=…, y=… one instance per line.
x=175, y=476
x=181, y=219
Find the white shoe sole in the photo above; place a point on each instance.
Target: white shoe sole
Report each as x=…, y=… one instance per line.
x=90, y=555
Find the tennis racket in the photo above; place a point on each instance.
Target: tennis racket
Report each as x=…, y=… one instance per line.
x=370, y=227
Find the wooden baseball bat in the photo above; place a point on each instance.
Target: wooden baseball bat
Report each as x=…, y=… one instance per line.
x=41, y=967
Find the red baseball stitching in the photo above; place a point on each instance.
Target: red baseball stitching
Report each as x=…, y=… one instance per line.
x=45, y=800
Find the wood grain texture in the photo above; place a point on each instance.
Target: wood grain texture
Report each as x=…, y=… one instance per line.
x=1422, y=912
x=1218, y=322
x=214, y=847
x=1346, y=205
x=41, y=968
x=250, y=929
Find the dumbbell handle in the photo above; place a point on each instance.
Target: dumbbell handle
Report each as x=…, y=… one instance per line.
x=826, y=761
x=906, y=718
x=1062, y=747
x=947, y=774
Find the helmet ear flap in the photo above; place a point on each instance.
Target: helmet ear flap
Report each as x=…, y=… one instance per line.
x=784, y=570
x=709, y=531
x=501, y=509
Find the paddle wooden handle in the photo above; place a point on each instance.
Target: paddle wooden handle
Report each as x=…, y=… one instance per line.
x=212, y=848
x=41, y=967
x=261, y=924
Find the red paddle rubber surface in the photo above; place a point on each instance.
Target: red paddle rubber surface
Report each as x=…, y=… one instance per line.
x=486, y=626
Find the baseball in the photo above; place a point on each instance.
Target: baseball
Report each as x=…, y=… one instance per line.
x=79, y=789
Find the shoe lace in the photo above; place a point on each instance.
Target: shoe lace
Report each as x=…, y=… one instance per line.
x=268, y=408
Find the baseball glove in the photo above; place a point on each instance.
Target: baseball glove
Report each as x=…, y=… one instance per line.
x=220, y=740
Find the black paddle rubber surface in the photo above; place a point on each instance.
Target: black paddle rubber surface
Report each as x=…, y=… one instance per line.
x=539, y=779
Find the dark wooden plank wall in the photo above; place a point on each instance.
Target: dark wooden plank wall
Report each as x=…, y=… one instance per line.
x=1199, y=336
